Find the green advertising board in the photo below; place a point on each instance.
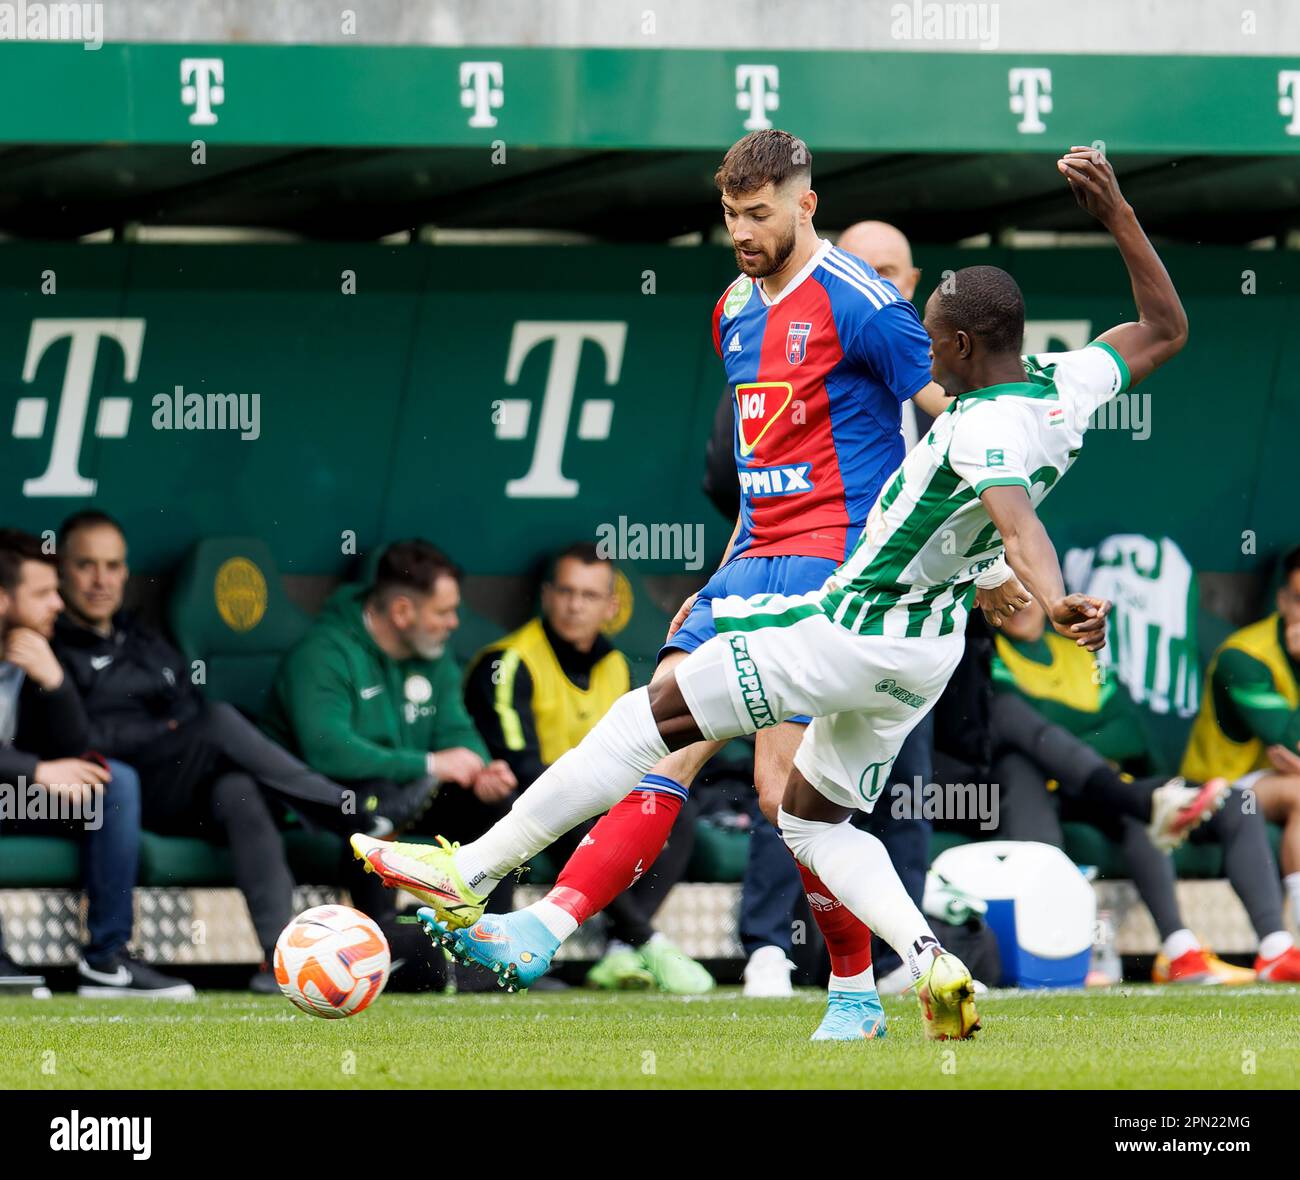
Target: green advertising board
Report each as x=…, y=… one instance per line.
x=644, y=99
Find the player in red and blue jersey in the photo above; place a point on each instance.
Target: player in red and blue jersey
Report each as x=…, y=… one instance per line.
x=821, y=353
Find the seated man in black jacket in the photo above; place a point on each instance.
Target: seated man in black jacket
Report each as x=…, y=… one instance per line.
x=204, y=769
x=51, y=784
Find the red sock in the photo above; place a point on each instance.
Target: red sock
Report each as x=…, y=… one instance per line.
x=622, y=846
x=847, y=937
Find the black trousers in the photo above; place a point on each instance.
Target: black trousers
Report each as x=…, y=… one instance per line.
x=221, y=778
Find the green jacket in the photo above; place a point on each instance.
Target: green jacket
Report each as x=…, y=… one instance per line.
x=353, y=713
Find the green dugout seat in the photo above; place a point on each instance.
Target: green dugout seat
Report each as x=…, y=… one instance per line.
x=229, y=611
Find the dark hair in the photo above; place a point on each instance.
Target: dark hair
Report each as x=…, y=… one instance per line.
x=583, y=551
x=985, y=302
x=87, y=518
x=411, y=567
x=762, y=157
x=16, y=547
x=1290, y=563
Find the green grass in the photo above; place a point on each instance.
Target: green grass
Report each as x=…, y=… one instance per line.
x=1128, y=1037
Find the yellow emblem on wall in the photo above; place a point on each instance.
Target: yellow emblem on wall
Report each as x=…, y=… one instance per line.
x=240, y=591
x=623, y=589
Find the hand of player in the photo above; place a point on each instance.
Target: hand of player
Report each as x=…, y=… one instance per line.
x=680, y=617
x=459, y=764
x=1092, y=180
x=31, y=651
x=1284, y=761
x=496, y=781
x=1001, y=602
x=1082, y=618
x=75, y=777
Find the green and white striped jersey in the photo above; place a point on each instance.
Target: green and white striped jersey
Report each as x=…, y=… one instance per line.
x=913, y=570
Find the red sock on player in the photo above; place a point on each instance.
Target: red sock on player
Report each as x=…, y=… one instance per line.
x=622, y=846
x=847, y=938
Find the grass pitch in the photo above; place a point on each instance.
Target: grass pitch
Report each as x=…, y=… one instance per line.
x=1120, y=1038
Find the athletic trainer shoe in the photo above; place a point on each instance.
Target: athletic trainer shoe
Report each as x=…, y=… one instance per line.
x=852, y=1016
x=673, y=970
x=426, y=870
x=1283, y=968
x=1223, y=973
x=621, y=970
x=947, y=996
x=1192, y=966
x=516, y=948
x=122, y=977
x=767, y=975
x=18, y=981
x=1177, y=808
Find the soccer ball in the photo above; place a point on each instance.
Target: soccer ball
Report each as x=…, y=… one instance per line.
x=332, y=961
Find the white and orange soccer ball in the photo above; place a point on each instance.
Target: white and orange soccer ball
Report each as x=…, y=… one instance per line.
x=332, y=961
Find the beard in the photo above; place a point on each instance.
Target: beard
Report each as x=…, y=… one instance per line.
x=427, y=647
x=770, y=261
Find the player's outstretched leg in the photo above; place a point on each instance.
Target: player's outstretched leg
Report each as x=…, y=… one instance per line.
x=516, y=947
x=604, y=767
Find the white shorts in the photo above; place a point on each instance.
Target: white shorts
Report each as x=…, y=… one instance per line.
x=777, y=656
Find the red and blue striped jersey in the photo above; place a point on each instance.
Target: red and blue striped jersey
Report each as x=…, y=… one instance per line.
x=819, y=378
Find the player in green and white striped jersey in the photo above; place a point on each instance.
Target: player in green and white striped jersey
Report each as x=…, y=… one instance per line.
x=868, y=655
x=930, y=535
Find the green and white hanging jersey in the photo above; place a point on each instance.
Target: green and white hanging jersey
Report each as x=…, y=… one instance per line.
x=913, y=570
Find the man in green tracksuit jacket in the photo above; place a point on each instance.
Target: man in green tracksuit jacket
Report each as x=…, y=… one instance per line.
x=371, y=693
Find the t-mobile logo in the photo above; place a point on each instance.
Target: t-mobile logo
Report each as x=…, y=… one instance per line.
x=1031, y=97
x=61, y=476
x=202, y=87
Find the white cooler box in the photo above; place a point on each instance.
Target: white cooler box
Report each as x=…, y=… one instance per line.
x=1041, y=908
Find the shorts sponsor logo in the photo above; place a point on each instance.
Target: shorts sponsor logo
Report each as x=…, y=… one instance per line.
x=899, y=693
x=751, y=686
x=776, y=481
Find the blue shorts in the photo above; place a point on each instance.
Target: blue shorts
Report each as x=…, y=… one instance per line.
x=747, y=576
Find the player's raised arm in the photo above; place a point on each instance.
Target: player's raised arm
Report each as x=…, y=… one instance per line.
x=1161, y=327
x=1032, y=558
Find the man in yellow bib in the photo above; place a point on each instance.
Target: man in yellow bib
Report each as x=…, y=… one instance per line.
x=1248, y=728
x=534, y=695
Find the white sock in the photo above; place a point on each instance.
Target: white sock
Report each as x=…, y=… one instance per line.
x=586, y=781
x=1277, y=943
x=863, y=981
x=559, y=922
x=1291, y=882
x=1179, y=943
x=859, y=872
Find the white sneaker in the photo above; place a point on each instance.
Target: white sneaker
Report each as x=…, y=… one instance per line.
x=896, y=982
x=1177, y=808
x=767, y=974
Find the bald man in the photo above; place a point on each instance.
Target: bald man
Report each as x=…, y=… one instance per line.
x=886, y=248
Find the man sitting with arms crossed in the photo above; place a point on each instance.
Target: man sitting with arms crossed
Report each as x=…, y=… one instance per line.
x=205, y=769
x=535, y=694
x=45, y=738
